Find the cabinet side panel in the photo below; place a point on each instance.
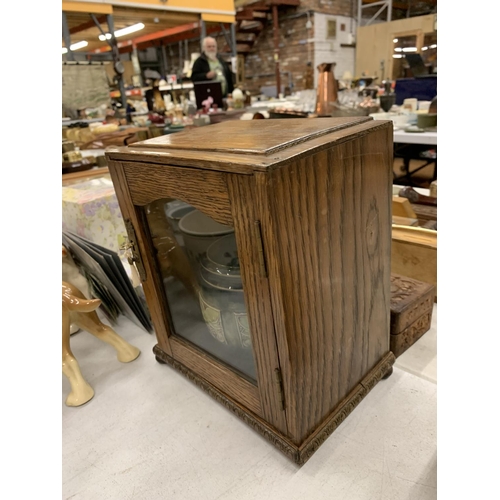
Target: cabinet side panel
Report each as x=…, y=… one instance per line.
x=332, y=214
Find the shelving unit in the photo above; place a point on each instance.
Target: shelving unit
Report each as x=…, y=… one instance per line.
x=141, y=92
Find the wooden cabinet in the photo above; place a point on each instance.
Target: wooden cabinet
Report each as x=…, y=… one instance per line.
x=264, y=250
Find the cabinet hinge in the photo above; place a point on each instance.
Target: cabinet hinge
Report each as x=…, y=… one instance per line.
x=132, y=249
x=279, y=385
x=262, y=258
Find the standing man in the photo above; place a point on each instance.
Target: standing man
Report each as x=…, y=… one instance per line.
x=210, y=66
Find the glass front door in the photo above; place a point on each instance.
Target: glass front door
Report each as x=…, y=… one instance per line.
x=199, y=265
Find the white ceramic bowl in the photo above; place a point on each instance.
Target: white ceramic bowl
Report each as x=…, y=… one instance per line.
x=176, y=213
x=400, y=120
x=199, y=231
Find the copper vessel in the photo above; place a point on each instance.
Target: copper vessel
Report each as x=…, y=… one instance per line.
x=327, y=90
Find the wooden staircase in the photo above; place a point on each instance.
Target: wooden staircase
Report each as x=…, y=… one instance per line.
x=251, y=18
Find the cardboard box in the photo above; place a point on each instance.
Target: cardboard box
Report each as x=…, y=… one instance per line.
x=90, y=209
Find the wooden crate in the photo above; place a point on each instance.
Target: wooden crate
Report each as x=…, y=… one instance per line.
x=414, y=253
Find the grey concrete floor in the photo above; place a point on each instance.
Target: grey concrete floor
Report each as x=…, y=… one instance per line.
x=149, y=433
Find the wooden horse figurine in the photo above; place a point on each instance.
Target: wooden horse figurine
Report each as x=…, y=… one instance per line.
x=82, y=312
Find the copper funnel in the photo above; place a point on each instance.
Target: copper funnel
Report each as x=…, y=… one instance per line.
x=327, y=90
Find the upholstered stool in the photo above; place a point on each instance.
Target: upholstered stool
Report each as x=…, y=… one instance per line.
x=81, y=311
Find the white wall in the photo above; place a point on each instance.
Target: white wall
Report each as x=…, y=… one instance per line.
x=329, y=50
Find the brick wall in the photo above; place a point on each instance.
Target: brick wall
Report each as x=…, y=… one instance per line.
x=295, y=52
x=299, y=45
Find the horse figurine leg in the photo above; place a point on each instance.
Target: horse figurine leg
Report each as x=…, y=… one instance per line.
x=81, y=391
x=84, y=315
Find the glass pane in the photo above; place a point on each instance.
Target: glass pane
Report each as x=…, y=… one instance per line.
x=198, y=260
x=429, y=51
x=403, y=45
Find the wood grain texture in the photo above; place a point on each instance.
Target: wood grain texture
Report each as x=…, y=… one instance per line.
x=241, y=164
x=207, y=191
x=316, y=277
x=406, y=338
x=246, y=164
x=217, y=374
x=411, y=311
x=424, y=213
x=414, y=253
x=332, y=216
x=153, y=290
x=242, y=191
x=410, y=299
x=271, y=136
x=345, y=407
x=269, y=230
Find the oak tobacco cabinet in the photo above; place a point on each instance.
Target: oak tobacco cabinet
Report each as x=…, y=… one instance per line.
x=264, y=248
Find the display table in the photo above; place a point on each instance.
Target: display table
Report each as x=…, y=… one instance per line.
x=415, y=146
x=427, y=138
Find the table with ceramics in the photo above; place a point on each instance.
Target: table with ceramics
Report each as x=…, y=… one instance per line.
x=428, y=138
x=411, y=144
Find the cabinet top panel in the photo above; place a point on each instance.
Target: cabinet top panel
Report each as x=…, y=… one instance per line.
x=250, y=137
x=244, y=146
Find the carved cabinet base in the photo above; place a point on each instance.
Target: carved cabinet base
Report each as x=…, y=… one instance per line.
x=299, y=454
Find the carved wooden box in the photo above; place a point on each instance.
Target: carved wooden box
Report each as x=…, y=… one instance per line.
x=264, y=251
x=412, y=303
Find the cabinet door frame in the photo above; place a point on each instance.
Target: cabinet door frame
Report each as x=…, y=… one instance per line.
x=227, y=198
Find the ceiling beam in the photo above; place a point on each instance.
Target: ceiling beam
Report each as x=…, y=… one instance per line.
x=167, y=32
x=395, y=5
x=293, y=3
x=164, y=37
x=153, y=36
x=187, y=35
x=87, y=25
x=257, y=6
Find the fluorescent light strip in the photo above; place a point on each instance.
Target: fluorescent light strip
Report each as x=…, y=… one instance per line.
x=398, y=49
x=433, y=46
x=395, y=40
x=409, y=49
x=397, y=56
x=75, y=46
x=123, y=31
x=424, y=48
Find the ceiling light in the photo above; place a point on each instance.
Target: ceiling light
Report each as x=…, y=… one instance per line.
x=397, y=56
x=123, y=32
x=425, y=48
x=75, y=46
x=398, y=49
x=433, y=46
x=409, y=49
x=395, y=40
